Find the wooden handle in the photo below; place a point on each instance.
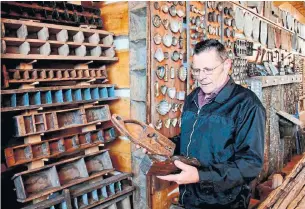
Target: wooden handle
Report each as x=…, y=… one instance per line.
x=147, y=137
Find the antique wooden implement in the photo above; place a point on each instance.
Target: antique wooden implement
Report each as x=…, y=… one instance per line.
x=144, y=135
x=161, y=161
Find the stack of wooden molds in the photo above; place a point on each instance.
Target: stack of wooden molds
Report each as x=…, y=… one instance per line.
x=57, y=104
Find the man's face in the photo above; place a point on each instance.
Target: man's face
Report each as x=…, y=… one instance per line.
x=213, y=70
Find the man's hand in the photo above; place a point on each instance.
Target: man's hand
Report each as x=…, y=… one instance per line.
x=188, y=175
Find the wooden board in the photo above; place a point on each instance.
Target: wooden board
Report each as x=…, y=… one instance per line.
x=87, y=171
x=191, y=83
x=118, y=72
x=121, y=149
x=281, y=197
x=121, y=107
x=176, y=82
x=31, y=124
x=58, y=57
x=35, y=26
x=115, y=17
x=63, y=198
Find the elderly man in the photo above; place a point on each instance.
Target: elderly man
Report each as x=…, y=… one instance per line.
x=223, y=127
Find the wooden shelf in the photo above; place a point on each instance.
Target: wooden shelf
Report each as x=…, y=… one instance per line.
x=31, y=107
x=128, y=190
x=58, y=57
x=25, y=99
x=57, y=120
x=278, y=80
x=35, y=26
x=54, y=88
x=18, y=76
x=16, y=155
x=38, y=7
x=11, y=41
x=265, y=19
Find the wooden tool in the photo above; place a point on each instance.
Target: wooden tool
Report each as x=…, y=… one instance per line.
x=161, y=161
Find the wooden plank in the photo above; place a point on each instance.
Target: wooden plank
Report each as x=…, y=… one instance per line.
x=91, y=150
x=121, y=161
x=90, y=187
x=289, y=117
x=78, y=181
x=8, y=109
x=291, y=7
x=115, y=17
x=53, y=88
x=57, y=57
x=38, y=7
x=121, y=154
x=11, y=41
x=118, y=72
x=273, y=198
x=176, y=83
x=297, y=199
x=121, y=144
x=87, y=116
x=113, y=197
x=35, y=164
x=15, y=23
x=65, y=197
x=121, y=107
x=112, y=201
x=5, y=76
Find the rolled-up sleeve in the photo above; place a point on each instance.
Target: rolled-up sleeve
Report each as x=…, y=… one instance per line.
x=247, y=160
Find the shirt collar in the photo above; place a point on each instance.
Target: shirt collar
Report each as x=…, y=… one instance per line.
x=223, y=94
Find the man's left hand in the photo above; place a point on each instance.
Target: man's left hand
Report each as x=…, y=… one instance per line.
x=189, y=174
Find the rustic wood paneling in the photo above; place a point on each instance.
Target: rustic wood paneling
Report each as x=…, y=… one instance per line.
x=115, y=17
x=121, y=107
x=118, y=72
x=120, y=153
x=120, y=150
x=297, y=9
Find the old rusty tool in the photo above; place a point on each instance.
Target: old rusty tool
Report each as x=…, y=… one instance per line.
x=263, y=54
x=161, y=161
x=259, y=52
x=270, y=56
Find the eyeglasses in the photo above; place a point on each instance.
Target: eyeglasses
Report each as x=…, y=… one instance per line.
x=207, y=71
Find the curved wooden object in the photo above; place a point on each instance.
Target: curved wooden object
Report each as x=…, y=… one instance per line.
x=144, y=135
x=161, y=161
x=162, y=165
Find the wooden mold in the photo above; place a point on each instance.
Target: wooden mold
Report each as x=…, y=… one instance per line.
x=52, y=47
x=161, y=162
x=60, y=44
x=116, y=185
x=16, y=76
x=39, y=182
x=57, y=147
x=63, y=13
x=31, y=124
x=62, y=201
x=26, y=153
x=22, y=99
x=144, y=135
x=163, y=165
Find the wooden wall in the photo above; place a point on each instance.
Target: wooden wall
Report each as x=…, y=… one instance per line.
x=289, y=7
x=115, y=17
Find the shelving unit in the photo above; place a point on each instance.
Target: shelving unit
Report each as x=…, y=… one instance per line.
x=33, y=92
